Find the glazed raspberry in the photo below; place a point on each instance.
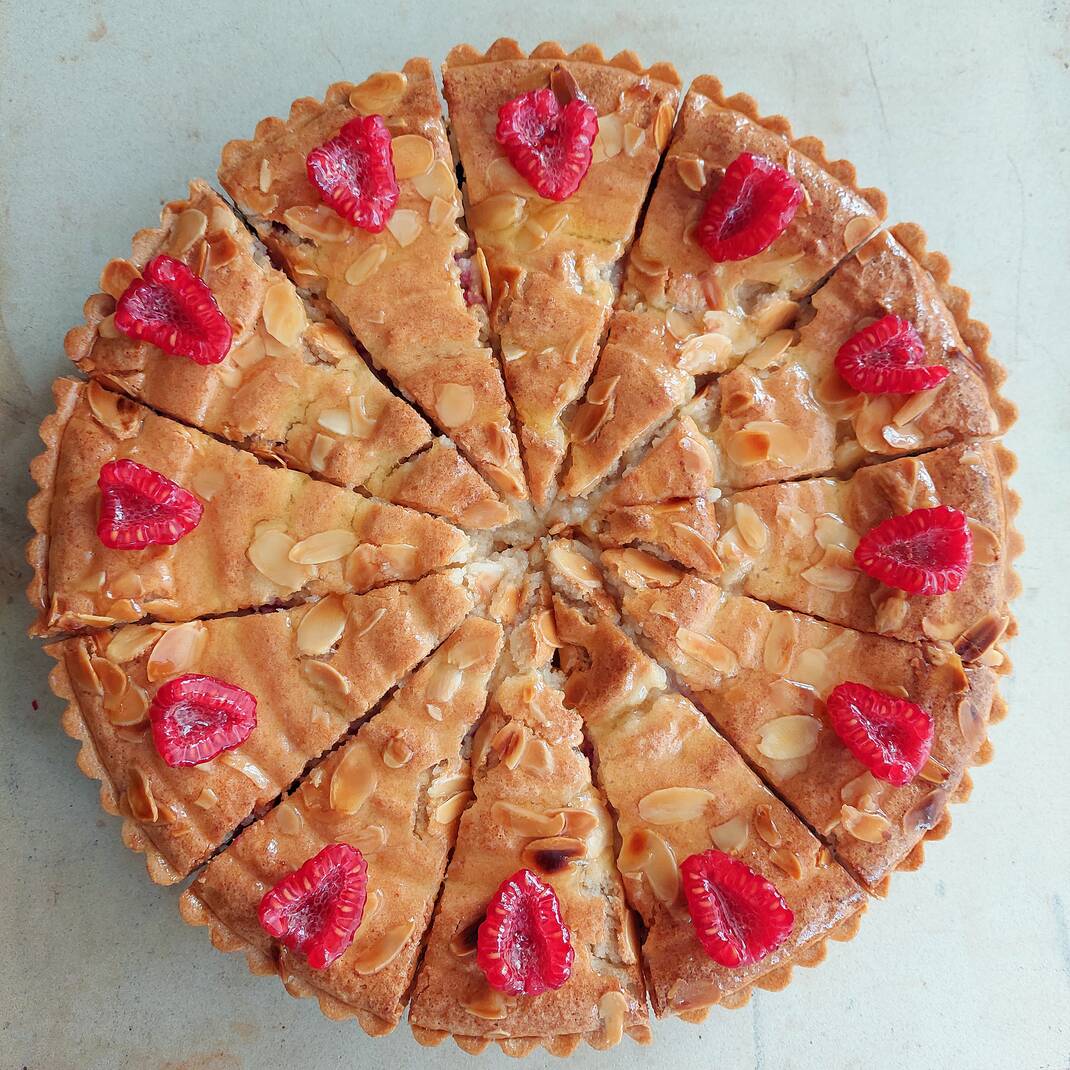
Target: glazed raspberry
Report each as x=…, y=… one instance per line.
x=139, y=507
x=739, y=917
x=172, y=308
x=548, y=144
x=924, y=552
x=315, y=910
x=194, y=718
x=749, y=210
x=886, y=358
x=354, y=173
x=888, y=735
x=523, y=947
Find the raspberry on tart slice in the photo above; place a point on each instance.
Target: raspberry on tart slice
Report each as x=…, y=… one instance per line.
x=524, y=948
x=767, y=678
x=925, y=551
x=399, y=290
x=169, y=306
x=887, y=357
x=920, y=548
x=394, y=793
x=750, y=208
x=739, y=916
x=264, y=534
x=554, y=193
x=293, y=388
x=681, y=313
x=139, y=507
x=316, y=909
x=312, y=672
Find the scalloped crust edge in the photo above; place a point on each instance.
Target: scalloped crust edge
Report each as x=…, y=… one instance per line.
x=506, y=50
x=812, y=147
x=517, y=1047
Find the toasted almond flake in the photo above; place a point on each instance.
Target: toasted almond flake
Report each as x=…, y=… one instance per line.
x=705, y=354
x=934, y=771
x=317, y=223
x=130, y=709
x=441, y=213
x=206, y=800
x=692, y=172
x=647, y=568
x=668, y=806
x=322, y=626
x=829, y=574
x=864, y=792
x=747, y=447
x=336, y=421
x=177, y=651
x=438, y=182
x=189, y=227
x=322, y=446
x=240, y=763
x=117, y=276
x=467, y=653
x=752, y=529
x=612, y=1008
x=382, y=951
x=354, y=779
x=706, y=650
x=81, y=670
x=574, y=566
x=139, y=798
x=830, y=531
x=405, y=225
x=926, y=812
x=444, y=683
x=904, y=438
x=366, y=264
x=361, y=423
x=130, y=642
x=485, y=514
x=371, y=622
x=284, y=314
x=769, y=352
x=786, y=445
x=680, y=325
x=324, y=546
x=774, y=315
x=785, y=738
x=269, y=554
x=663, y=125
x=857, y=230
x=326, y=678
x=380, y=93
x=450, y=810
x=891, y=612
x=602, y=390
x=288, y=819
x=449, y=784
x=578, y=823
x=610, y=139
x=986, y=543
x=483, y=270
x=526, y=822
x=870, y=828
x=915, y=406
x=510, y=742
x=765, y=826
x=644, y=851
x=731, y=836
x=413, y=155
x=111, y=411
x=463, y=942
x=788, y=862
x=487, y=1003
x=634, y=136
x=207, y=483
x=699, y=547
x=369, y=839
x=497, y=212
x=588, y=421
x=455, y=404
x=396, y=753
x=972, y=722
x=780, y=644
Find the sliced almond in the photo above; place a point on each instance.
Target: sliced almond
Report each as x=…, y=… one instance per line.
x=130, y=642
x=379, y=94
x=663, y=125
x=788, y=862
x=870, y=828
x=444, y=683
x=986, y=543
x=915, y=406
x=139, y=798
x=116, y=413
x=831, y=572
x=926, y=812
x=768, y=352
x=322, y=626
x=698, y=547
x=336, y=421
x=610, y=139
x=438, y=182
x=612, y=1008
x=241, y=763
x=863, y=792
x=117, y=276
x=189, y=227
x=784, y=738
x=553, y=854
x=284, y=314
x=487, y=1003
x=130, y=709
x=327, y=678
x=575, y=566
x=288, y=818
x=455, y=404
x=669, y=806
x=752, y=529
x=644, y=851
x=362, y=423
x=526, y=822
x=934, y=771
x=578, y=823
x=780, y=644
x=378, y=954
x=731, y=836
x=510, y=741
x=537, y=758
x=447, y=785
x=706, y=650
x=450, y=810
x=366, y=264
x=765, y=826
x=269, y=553
x=647, y=568
x=177, y=651
x=692, y=172
x=317, y=223
x=396, y=753
x=497, y=212
x=413, y=155
x=323, y=547
x=353, y=780
x=405, y=225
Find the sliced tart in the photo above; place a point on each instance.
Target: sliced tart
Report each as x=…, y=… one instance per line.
x=532, y=941
x=920, y=548
x=558, y=150
x=139, y=516
x=193, y=728
x=284, y=380
x=393, y=794
x=384, y=249
x=732, y=888
x=743, y=224
x=874, y=784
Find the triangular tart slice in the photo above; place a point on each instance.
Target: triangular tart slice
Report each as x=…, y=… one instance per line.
x=395, y=792
x=260, y=535
x=402, y=291
x=686, y=315
x=535, y=808
x=678, y=789
x=764, y=676
x=311, y=671
x=553, y=261
x=793, y=544
x=292, y=385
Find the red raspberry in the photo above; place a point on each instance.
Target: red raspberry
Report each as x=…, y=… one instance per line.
x=888, y=735
x=524, y=947
x=749, y=210
x=739, y=917
x=315, y=910
x=354, y=173
x=924, y=552
x=548, y=144
x=886, y=358
x=194, y=718
x=139, y=507
x=173, y=309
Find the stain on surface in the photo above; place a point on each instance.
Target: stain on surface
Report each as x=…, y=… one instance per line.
x=99, y=31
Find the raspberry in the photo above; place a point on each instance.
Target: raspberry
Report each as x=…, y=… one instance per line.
x=739, y=917
x=890, y=736
x=749, y=210
x=886, y=358
x=924, y=552
x=139, y=507
x=194, y=718
x=354, y=173
x=548, y=144
x=523, y=947
x=315, y=910
x=172, y=308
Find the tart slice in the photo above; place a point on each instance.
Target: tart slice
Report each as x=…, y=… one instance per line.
x=393, y=793
x=553, y=212
x=193, y=728
x=384, y=250
x=139, y=516
x=771, y=679
x=917, y=548
x=743, y=224
x=532, y=940
x=290, y=386
x=690, y=812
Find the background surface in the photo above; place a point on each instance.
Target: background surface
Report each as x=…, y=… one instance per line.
x=963, y=116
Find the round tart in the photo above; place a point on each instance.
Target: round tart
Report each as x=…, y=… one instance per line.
x=529, y=575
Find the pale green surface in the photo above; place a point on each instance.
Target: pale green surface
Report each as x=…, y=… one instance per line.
x=106, y=109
